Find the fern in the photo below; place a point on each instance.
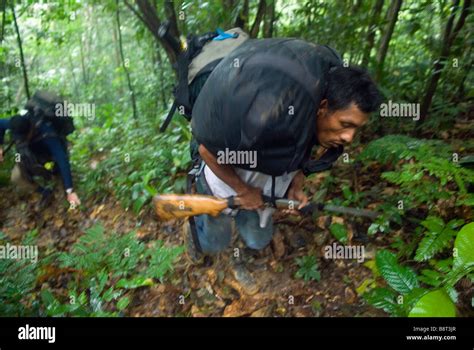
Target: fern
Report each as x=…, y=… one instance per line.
x=438, y=238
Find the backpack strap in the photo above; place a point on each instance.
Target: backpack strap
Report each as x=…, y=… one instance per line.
x=181, y=93
x=168, y=117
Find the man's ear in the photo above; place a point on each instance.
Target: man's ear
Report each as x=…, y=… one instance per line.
x=323, y=107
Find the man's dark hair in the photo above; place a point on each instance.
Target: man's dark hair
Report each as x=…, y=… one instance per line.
x=352, y=84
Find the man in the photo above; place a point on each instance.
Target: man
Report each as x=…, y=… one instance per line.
x=276, y=99
x=39, y=142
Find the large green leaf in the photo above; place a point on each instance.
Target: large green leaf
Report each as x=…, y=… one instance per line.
x=464, y=245
x=400, y=278
x=434, y=304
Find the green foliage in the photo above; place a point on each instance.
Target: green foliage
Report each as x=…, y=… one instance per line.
x=134, y=163
x=105, y=269
x=437, y=238
x=391, y=149
x=17, y=282
x=425, y=174
x=385, y=299
x=464, y=245
x=339, y=231
x=405, y=297
x=434, y=304
x=402, y=279
x=424, y=169
x=108, y=267
x=96, y=251
x=308, y=268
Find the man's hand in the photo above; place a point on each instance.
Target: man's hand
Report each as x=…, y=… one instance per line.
x=250, y=198
x=73, y=200
x=296, y=192
x=1, y=154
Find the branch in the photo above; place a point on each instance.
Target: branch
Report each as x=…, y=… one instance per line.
x=4, y=11
x=134, y=11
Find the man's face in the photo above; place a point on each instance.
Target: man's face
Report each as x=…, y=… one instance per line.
x=338, y=127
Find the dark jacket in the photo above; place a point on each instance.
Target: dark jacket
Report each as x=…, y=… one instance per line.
x=49, y=147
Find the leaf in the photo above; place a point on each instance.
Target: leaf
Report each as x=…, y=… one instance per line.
x=433, y=224
x=308, y=268
x=134, y=283
x=339, y=231
x=464, y=247
x=400, y=278
x=430, y=277
x=383, y=298
x=434, y=304
x=433, y=243
x=365, y=286
x=123, y=303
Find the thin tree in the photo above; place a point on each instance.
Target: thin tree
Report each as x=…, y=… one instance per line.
x=392, y=17
x=269, y=19
x=450, y=33
x=20, y=47
x=258, y=19
x=4, y=18
x=243, y=17
x=124, y=65
x=370, y=37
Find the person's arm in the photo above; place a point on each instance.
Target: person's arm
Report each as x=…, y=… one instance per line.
x=59, y=155
x=250, y=197
x=4, y=125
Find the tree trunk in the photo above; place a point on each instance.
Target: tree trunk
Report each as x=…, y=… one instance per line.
x=269, y=19
x=124, y=65
x=243, y=17
x=370, y=39
x=22, y=57
x=4, y=15
x=149, y=16
x=392, y=16
x=258, y=19
x=171, y=16
x=228, y=6
x=448, y=39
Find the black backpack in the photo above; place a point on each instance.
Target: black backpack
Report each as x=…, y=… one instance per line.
x=195, y=62
x=43, y=107
x=47, y=107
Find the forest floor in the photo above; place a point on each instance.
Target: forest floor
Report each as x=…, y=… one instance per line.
x=213, y=289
